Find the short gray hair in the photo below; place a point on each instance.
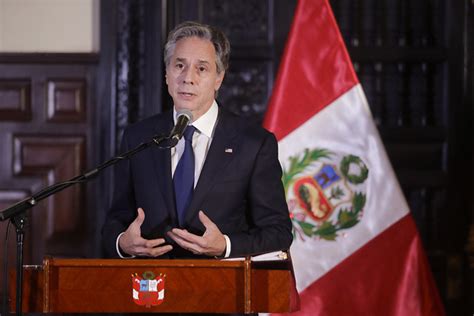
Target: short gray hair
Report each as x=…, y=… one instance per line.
x=203, y=31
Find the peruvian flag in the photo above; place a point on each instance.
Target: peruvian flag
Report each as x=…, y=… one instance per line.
x=356, y=249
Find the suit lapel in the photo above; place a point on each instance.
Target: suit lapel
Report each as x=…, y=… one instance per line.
x=218, y=157
x=162, y=163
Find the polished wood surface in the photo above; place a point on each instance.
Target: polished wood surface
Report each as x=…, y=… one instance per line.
x=209, y=286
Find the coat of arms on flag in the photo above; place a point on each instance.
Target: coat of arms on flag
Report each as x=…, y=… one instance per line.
x=148, y=290
x=325, y=192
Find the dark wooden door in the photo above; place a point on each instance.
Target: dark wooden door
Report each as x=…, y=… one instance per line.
x=46, y=123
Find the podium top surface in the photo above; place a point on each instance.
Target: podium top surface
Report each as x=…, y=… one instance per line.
x=60, y=262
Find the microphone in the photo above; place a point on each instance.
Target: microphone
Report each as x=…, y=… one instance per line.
x=185, y=117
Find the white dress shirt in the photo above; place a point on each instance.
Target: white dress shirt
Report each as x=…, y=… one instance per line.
x=202, y=139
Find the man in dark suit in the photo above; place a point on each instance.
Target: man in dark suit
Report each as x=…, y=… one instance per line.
x=219, y=191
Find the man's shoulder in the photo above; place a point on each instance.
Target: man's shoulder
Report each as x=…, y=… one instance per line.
x=155, y=124
x=244, y=125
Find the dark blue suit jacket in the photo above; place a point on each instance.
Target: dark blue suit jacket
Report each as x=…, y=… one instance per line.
x=239, y=188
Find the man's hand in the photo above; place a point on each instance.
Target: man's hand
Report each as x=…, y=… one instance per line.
x=212, y=243
x=133, y=244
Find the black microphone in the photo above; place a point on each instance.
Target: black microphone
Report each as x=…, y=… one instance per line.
x=184, y=118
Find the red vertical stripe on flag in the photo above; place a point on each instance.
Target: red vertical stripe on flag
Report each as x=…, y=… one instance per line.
x=315, y=69
x=390, y=275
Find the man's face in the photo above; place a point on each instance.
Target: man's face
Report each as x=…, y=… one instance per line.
x=192, y=76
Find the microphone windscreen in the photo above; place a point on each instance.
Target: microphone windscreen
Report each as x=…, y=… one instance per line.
x=186, y=113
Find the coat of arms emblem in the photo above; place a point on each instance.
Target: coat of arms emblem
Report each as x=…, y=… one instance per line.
x=148, y=290
x=325, y=192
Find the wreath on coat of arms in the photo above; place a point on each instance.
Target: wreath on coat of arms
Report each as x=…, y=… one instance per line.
x=322, y=198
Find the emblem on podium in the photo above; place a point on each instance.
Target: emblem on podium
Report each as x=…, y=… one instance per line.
x=148, y=290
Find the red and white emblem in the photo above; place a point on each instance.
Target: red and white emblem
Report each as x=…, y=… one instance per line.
x=148, y=290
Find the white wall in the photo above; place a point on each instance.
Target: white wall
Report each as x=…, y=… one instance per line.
x=59, y=26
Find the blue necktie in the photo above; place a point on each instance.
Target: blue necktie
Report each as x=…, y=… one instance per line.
x=183, y=179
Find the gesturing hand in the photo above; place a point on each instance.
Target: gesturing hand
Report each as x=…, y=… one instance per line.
x=212, y=243
x=132, y=243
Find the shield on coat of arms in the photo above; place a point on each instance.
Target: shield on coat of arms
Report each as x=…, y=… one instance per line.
x=311, y=198
x=310, y=192
x=148, y=290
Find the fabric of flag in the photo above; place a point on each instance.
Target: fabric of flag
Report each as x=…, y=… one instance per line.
x=356, y=249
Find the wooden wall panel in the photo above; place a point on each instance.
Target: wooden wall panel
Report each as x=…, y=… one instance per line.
x=54, y=159
x=15, y=100
x=66, y=100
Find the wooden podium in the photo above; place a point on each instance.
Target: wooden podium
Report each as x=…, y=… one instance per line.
x=201, y=286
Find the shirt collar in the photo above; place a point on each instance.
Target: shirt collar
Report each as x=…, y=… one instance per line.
x=205, y=124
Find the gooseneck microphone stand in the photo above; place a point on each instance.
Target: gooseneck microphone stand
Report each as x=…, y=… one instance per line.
x=17, y=212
